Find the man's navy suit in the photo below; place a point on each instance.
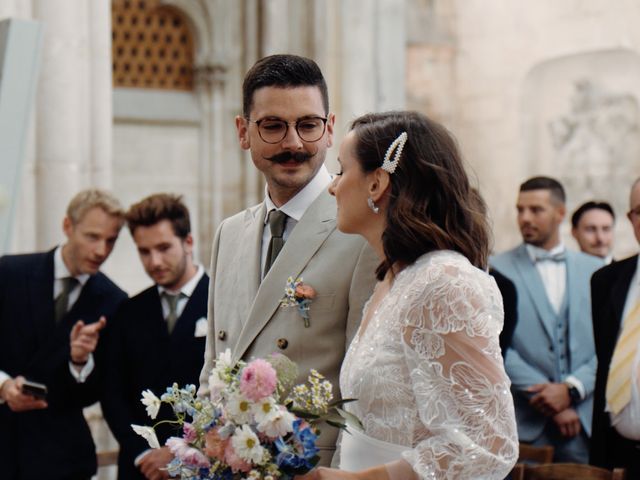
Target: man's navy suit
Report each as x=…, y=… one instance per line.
x=609, y=287
x=54, y=443
x=143, y=355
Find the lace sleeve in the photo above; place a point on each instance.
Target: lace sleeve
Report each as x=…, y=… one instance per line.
x=451, y=326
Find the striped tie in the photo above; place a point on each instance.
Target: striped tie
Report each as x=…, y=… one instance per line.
x=619, y=381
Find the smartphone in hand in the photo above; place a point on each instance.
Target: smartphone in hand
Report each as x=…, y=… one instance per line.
x=35, y=389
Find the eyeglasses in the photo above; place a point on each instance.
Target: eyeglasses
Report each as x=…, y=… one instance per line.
x=634, y=211
x=274, y=130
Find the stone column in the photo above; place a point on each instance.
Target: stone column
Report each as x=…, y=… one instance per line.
x=210, y=80
x=373, y=56
x=101, y=90
x=73, y=111
x=361, y=48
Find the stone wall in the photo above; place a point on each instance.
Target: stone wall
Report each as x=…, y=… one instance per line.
x=518, y=76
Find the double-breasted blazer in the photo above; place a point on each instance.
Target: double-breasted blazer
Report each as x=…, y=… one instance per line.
x=531, y=357
x=245, y=313
x=54, y=442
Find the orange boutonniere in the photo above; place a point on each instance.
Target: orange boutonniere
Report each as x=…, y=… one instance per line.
x=298, y=294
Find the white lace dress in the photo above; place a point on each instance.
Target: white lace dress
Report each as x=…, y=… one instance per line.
x=428, y=375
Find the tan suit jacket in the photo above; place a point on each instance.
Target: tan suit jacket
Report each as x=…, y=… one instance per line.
x=245, y=313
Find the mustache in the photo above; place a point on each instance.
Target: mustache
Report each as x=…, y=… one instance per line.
x=283, y=157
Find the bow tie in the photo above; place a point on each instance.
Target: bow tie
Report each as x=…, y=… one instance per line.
x=550, y=257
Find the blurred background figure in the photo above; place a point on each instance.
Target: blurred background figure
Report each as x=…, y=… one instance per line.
x=592, y=226
x=157, y=337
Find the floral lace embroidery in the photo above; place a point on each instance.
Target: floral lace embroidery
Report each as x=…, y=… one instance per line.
x=428, y=373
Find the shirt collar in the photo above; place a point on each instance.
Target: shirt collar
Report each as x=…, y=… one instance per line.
x=188, y=288
x=61, y=271
x=296, y=207
x=532, y=250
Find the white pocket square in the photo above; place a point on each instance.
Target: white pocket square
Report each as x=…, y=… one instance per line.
x=201, y=328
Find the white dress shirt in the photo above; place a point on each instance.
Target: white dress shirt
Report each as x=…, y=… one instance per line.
x=553, y=274
x=60, y=272
x=294, y=209
x=627, y=421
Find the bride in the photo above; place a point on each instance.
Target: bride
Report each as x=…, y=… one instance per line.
x=425, y=365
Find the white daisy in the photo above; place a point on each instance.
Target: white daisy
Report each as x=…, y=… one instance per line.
x=239, y=408
x=277, y=424
x=264, y=408
x=148, y=433
x=247, y=445
x=151, y=402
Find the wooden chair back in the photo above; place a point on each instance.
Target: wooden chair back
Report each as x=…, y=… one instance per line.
x=531, y=454
x=570, y=471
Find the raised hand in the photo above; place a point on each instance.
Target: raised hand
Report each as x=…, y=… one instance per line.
x=17, y=401
x=84, y=339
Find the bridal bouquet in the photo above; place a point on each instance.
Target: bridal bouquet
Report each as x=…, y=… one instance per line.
x=255, y=424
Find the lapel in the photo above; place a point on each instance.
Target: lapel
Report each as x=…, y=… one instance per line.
x=575, y=277
x=620, y=289
x=248, y=261
x=194, y=310
x=535, y=288
x=41, y=298
x=306, y=238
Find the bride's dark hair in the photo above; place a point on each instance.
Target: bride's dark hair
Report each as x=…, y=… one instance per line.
x=431, y=206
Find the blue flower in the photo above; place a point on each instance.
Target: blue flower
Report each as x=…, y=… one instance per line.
x=306, y=438
x=298, y=454
x=287, y=457
x=174, y=467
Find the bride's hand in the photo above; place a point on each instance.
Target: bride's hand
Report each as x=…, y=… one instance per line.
x=323, y=473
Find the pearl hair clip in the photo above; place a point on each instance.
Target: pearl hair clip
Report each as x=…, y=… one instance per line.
x=397, y=145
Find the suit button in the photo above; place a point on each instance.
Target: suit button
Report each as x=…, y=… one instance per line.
x=222, y=335
x=282, y=343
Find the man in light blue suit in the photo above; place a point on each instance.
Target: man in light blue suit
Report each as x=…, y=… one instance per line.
x=551, y=360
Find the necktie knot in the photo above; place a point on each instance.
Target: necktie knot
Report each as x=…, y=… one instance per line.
x=277, y=222
x=172, y=303
x=62, y=300
x=550, y=257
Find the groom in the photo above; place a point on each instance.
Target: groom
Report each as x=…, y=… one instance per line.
x=287, y=127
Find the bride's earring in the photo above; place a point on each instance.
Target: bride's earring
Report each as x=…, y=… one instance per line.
x=372, y=205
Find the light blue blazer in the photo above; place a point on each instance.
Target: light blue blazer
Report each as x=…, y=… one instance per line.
x=531, y=358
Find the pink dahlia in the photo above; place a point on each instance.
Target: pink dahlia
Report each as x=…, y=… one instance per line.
x=258, y=380
x=187, y=454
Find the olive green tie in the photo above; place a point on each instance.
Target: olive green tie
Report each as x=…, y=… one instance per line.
x=277, y=222
x=61, y=304
x=172, y=302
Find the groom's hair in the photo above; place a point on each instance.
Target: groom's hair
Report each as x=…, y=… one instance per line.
x=283, y=71
x=545, y=183
x=158, y=207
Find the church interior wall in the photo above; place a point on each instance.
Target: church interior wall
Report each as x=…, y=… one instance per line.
x=469, y=65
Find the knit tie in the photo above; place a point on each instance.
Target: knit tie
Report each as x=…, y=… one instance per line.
x=277, y=222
